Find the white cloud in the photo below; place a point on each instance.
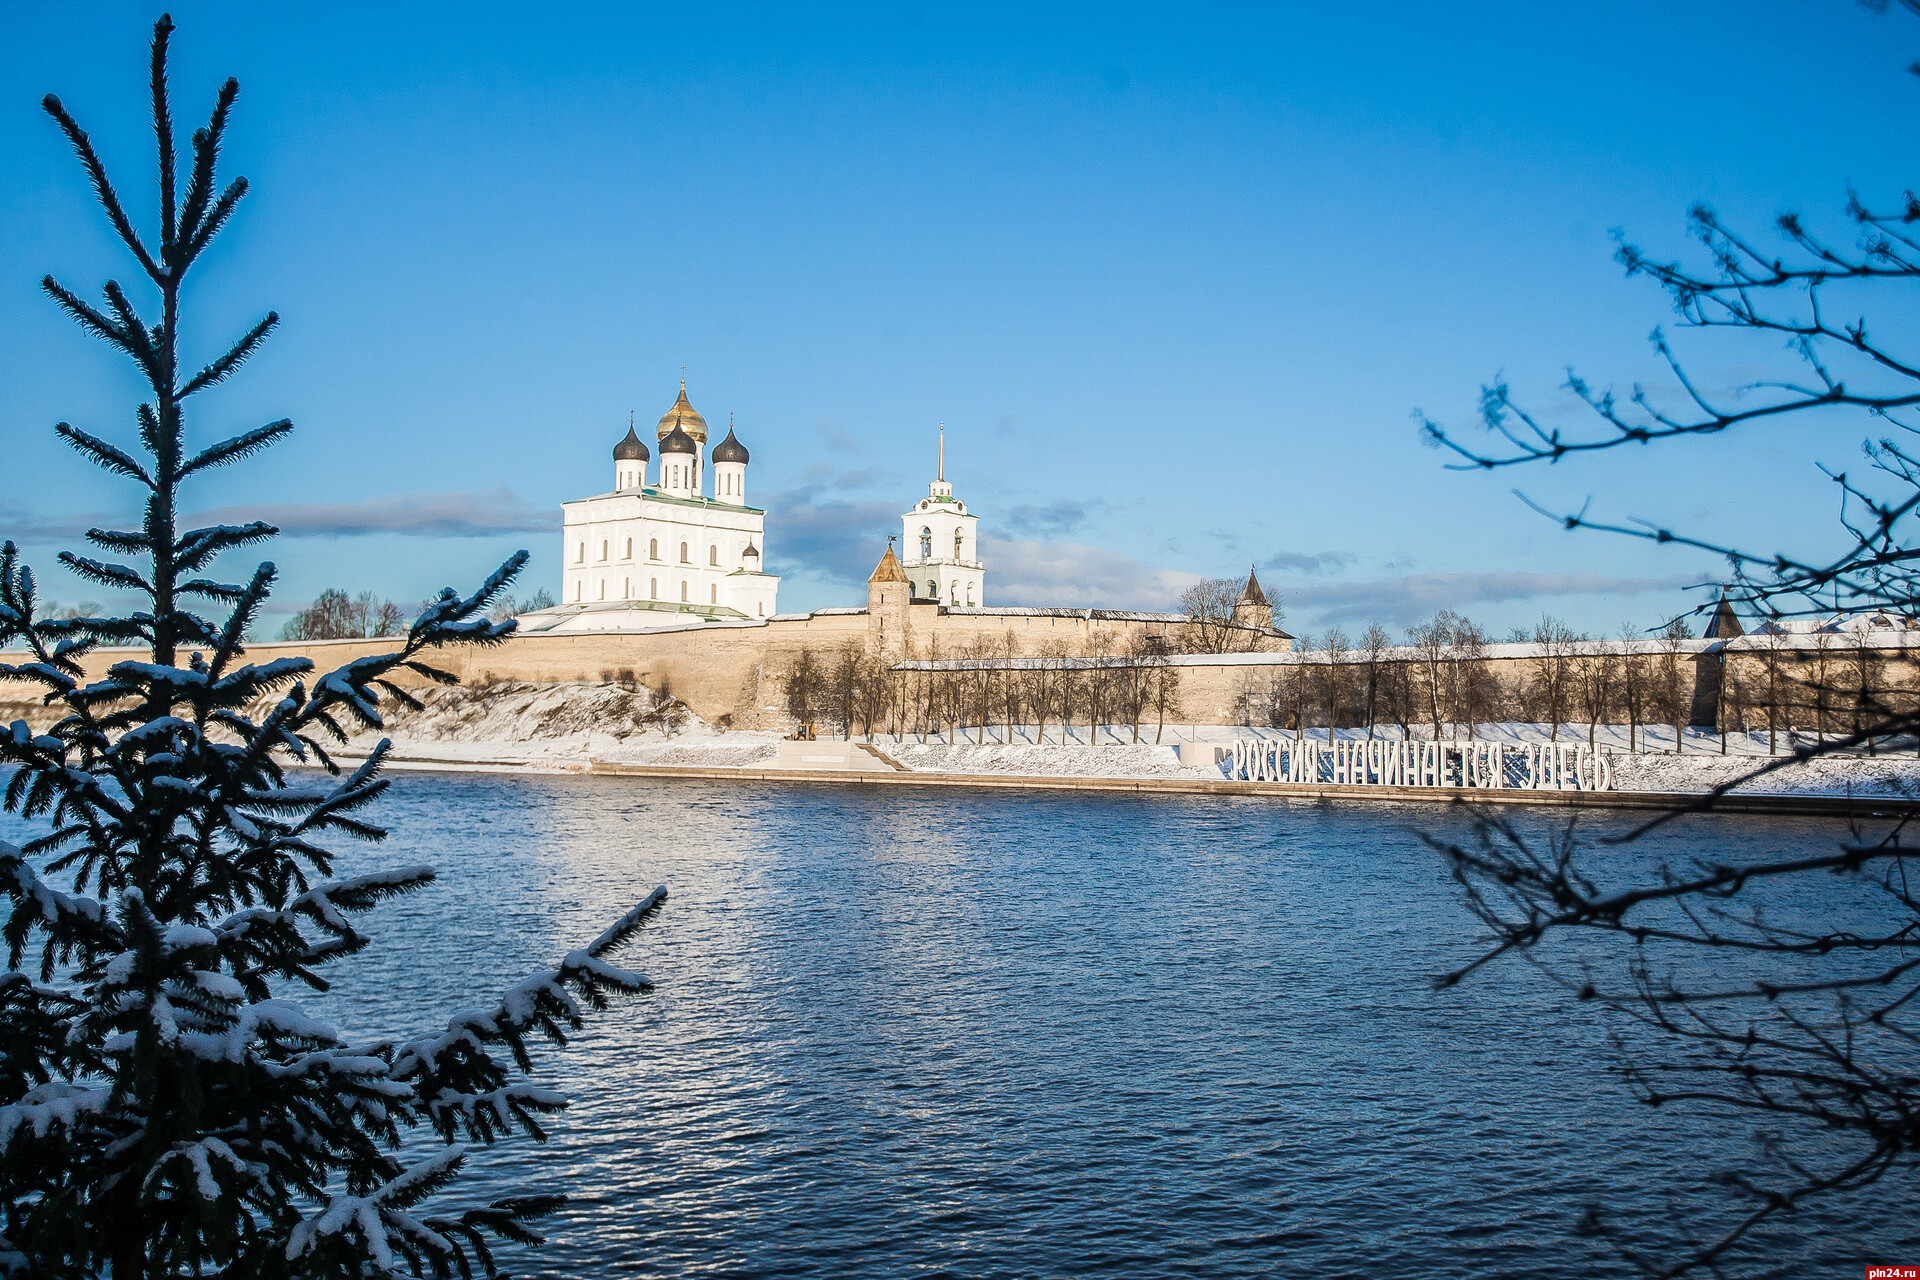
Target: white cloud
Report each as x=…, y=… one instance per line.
x=1415, y=596
x=1068, y=573
x=433, y=515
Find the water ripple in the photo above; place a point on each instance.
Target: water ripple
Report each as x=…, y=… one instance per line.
x=1027, y=1034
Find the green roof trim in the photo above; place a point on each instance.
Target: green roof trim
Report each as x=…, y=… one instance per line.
x=653, y=495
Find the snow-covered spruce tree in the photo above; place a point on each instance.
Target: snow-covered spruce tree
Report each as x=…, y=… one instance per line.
x=163, y=1112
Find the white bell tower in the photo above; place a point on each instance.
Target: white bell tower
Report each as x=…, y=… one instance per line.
x=942, y=559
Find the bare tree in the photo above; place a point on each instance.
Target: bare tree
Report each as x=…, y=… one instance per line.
x=1208, y=606
x=1632, y=683
x=1781, y=1012
x=1432, y=642
x=1820, y=667
x=1552, y=640
x=806, y=687
x=1333, y=677
x=1012, y=684
x=1374, y=643
x=1591, y=676
x=1673, y=683
x=1166, y=693
x=1778, y=683
x=1870, y=705
x=334, y=615
x=1473, y=692
x=1401, y=694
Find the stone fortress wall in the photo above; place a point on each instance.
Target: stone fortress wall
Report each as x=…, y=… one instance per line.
x=734, y=674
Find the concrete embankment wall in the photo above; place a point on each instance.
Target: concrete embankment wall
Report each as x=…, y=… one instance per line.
x=1778, y=805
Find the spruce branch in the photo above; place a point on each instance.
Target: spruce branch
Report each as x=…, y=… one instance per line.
x=206, y=155
x=221, y=369
x=105, y=455
x=163, y=129
x=102, y=187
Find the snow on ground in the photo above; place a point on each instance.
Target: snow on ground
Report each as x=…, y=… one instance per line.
x=1830, y=775
x=1053, y=760
x=565, y=726
x=562, y=726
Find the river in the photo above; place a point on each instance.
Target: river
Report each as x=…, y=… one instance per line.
x=1016, y=1034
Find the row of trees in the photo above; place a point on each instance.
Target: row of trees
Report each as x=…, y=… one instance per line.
x=335, y=615
x=1829, y=682
x=990, y=682
x=1444, y=679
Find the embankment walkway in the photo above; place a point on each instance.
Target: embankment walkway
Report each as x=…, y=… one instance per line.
x=1795, y=805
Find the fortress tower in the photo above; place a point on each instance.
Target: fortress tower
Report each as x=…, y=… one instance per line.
x=1252, y=608
x=888, y=595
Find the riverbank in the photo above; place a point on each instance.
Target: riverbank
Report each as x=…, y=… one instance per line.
x=611, y=727
x=1800, y=805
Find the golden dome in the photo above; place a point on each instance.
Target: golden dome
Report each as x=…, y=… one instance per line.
x=685, y=417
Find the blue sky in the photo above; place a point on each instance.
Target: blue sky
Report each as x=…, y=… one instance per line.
x=1175, y=278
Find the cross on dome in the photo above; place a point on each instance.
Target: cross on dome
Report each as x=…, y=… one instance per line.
x=684, y=416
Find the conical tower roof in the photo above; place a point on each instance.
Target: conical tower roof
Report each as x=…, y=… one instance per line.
x=684, y=416
x=1726, y=623
x=1251, y=593
x=888, y=570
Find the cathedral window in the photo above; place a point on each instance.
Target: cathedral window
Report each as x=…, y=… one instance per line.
x=956, y=544
x=684, y=557
x=626, y=588
x=713, y=555
x=715, y=590
x=653, y=588
x=926, y=547
x=603, y=588
x=580, y=556
x=629, y=548
x=683, y=590
x=653, y=548
x=603, y=548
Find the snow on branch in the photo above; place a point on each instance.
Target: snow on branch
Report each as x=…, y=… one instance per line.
x=453, y=1070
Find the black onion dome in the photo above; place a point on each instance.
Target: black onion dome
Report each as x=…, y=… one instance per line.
x=730, y=449
x=630, y=449
x=678, y=441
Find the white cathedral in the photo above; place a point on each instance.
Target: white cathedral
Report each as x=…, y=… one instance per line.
x=687, y=550
x=670, y=546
